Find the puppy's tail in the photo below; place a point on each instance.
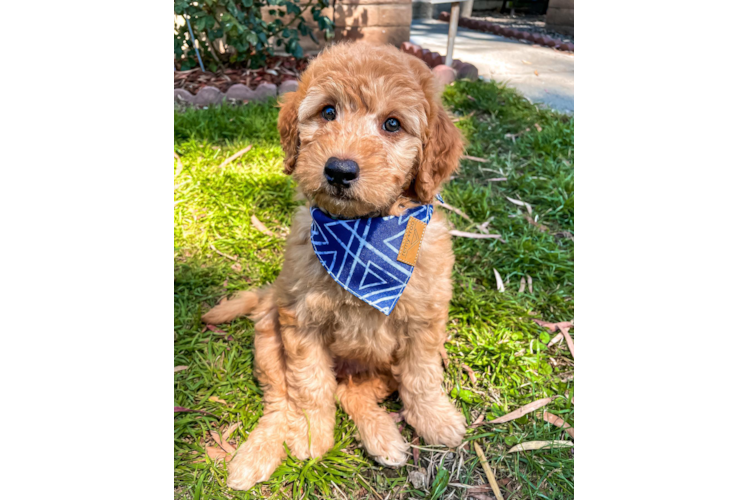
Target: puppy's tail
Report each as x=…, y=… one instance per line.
x=241, y=304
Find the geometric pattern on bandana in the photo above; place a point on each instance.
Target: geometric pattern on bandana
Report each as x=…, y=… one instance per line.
x=361, y=254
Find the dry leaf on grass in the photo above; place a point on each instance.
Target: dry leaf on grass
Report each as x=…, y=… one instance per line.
x=215, y=399
x=220, y=441
x=261, y=227
x=556, y=339
x=215, y=453
x=555, y=420
x=532, y=221
x=496, y=179
x=523, y=410
x=180, y=368
x=499, y=282
x=522, y=285
x=540, y=445
x=470, y=373
x=230, y=430
x=416, y=453
x=476, y=235
x=569, y=342
x=553, y=327
x=236, y=267
x=478, y=421
x=235, y=156
x=529, y=283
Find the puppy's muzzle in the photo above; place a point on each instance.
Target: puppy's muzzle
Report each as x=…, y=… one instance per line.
x=341, y=173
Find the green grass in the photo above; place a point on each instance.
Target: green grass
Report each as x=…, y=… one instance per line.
x=491, y=332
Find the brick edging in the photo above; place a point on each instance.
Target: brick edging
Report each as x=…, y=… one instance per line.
x=236, y=93
x=497, y=29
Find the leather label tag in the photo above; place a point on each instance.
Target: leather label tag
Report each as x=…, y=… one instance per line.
x=411, y=242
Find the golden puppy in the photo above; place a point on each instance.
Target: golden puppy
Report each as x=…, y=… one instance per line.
x=365, y=135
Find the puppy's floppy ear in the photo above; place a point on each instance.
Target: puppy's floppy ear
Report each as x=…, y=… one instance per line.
x=288, y=122
x=441, y=153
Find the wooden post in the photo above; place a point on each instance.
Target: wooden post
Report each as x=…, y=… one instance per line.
x=467, y=8
x=453, y=18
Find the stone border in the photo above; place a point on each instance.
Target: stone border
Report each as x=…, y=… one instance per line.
x=436, y=61
x=236, y=93
x=241, y=93
x=497, y=29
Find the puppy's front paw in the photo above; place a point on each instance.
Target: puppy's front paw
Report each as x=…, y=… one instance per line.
x=392, y=453
x=254, y=462
x=304, y=443
x=381, y=438
x=442, y=425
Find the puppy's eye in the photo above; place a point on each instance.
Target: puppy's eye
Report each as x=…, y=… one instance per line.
x=328, y=113
x=391, y=125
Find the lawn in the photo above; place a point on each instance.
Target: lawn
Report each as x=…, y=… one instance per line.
x=218, y=250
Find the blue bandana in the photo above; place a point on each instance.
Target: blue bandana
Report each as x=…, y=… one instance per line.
x=361, y=254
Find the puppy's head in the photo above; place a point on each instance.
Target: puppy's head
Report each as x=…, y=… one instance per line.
x=366, y=129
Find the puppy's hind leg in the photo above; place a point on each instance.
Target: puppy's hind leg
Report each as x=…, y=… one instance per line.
x=241, y=304
x=377, y=430
x=262, y=452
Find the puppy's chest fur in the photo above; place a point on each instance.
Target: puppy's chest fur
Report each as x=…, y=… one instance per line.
x=358, y=336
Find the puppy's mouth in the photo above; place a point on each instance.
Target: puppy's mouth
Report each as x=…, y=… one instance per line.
x=341, y=203
x=340, y=193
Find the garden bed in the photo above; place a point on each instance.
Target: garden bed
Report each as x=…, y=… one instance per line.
x=278, y=70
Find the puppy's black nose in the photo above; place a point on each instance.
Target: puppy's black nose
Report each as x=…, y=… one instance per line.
x=341, y=172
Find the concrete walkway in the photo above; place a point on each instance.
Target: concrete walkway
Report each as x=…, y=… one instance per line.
x=506, y=60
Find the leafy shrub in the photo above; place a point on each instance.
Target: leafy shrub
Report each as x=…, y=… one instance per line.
x=247, y=38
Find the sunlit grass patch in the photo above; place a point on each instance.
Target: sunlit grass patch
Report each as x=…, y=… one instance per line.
x=218, y=251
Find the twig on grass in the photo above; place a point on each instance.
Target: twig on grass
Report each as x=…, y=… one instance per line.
x=463, y=234
x=458, y=212
x=489, y=472
x=261, y=227
x=234, y=258
x=235, y=156
x=474, y=158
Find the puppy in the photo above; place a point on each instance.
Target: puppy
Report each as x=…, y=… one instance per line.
x=365, y=135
